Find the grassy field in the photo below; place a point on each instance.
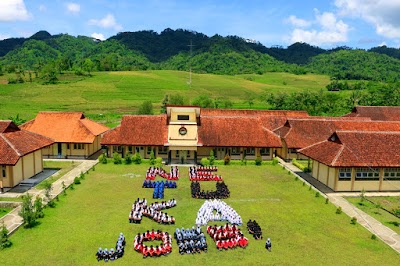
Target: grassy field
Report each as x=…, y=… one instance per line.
x=64, y=167
x=374, y=209
x=108, y=95
x=303, y=229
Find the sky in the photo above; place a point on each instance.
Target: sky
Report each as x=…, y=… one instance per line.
x=324, y=23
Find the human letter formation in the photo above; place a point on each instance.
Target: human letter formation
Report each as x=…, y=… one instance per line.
x=222, y=191
x=203, y=175
x=227, y=237
x=153, y=251
x=224, y=212
x=152, y=172
x=112, y=254
x=190, y=241
x=153, y=211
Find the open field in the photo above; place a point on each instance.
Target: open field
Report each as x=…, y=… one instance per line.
x=374, y=209
x=303, y=229
x=108, y=95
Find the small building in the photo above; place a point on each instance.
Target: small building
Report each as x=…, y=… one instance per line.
x=189, y=133
x=20, y=153
x=357, y=160
x=74, y=135
x=382, y=113
x=298, y=133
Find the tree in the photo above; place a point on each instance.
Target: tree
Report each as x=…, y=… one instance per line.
x=4, y=241
x=204, y=101
x=88, y=65
x=176, y=99
x=17, y=120
x=164, y=104
x=146, y=108
x=49, y=73
x=27, y=212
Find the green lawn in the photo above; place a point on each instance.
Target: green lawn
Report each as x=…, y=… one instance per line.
x=64, y=167
x=373, y=209
x=4, y=211
x=108, y=95
x=303, y=229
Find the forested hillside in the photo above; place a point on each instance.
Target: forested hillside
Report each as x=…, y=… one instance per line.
x=181, y=49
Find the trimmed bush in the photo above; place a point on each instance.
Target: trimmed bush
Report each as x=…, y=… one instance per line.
x=353, y=220
x=326, y=201
x=205, y=162
x=258, y=160
x=152, y=157
x=128, y=158
x=373, y=237
x=274, y=161
x=137, y=159
x=82, y=176
x=117, y=158
x=339, y=210
x=158, y=162
x=317, y=194
x=212, y=157
x=243, y=162
x=103, y=158
x=77, y=181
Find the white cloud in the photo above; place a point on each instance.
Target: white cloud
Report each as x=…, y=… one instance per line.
x=326, y=29
x=13, y=10
x=108, y=22
x=99, y=36
x=298, y=22
x=382, y=14
x=2, y=37
x=73, y=8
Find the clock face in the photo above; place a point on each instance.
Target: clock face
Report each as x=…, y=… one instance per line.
x=182, y=131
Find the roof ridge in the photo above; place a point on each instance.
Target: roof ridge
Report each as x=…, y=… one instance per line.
x=337, y=155
x=10, y=144
x=367, y=132
x=312, y=145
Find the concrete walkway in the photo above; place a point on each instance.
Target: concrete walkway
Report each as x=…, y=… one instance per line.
x=12, y=220
x=386, y=234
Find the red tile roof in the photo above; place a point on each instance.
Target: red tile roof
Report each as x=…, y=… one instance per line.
x=357, y=149
x=383, y=113
x=138, y=130
x=15, y=143
x=300, y=133
x=236, y=132
x=69, y=127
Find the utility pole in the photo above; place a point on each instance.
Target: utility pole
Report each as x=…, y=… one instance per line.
x=190, y=63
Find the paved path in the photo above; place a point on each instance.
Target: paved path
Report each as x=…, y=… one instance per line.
x=12, y=220
x=387, y=235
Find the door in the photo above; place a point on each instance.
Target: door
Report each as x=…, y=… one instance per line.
x=59, y=149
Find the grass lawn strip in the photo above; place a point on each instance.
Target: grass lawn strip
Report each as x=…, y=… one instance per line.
x=303, y=229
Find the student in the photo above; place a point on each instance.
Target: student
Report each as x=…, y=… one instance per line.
x=99, y=254
x=268, y=245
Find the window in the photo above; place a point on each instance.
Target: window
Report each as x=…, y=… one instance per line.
x=367, y=174
x=265, y=151
x=183, y=117
x=3, y=171
x=119, y=148
x=130, y=148
x=177, y=154
x=162, y=149
x=188, y=154
x=78, y=146
x=149, y=150
x=67, y=146
x=235, y=151
x=292, y=150
x=344, y=174
x=392, y=174
x=137, y=149
x=250, y=151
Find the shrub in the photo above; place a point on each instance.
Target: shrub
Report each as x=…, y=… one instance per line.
x=64, y=187
x=28, y=211
x=103, y=158
x=117, y=158
x=306, y=170
x=152, y=157
x=274, y=161
x=71, y=187
x=137, y=159
x=339, y=210
x=128, y=158
x=51, y=204
x=4, y=241
x=373, y=237
x=317, y=194
x=310, y=188
x=205, y=162
x=304, y=183
x=212, y=157
x=326, y=201
x=353, y=220
x=227, y=159
x=296, y=178
x=158, y=162
x=94, y=168
x=39, y=207
x=77, y=181
x=82, y=176
x=258, y=160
